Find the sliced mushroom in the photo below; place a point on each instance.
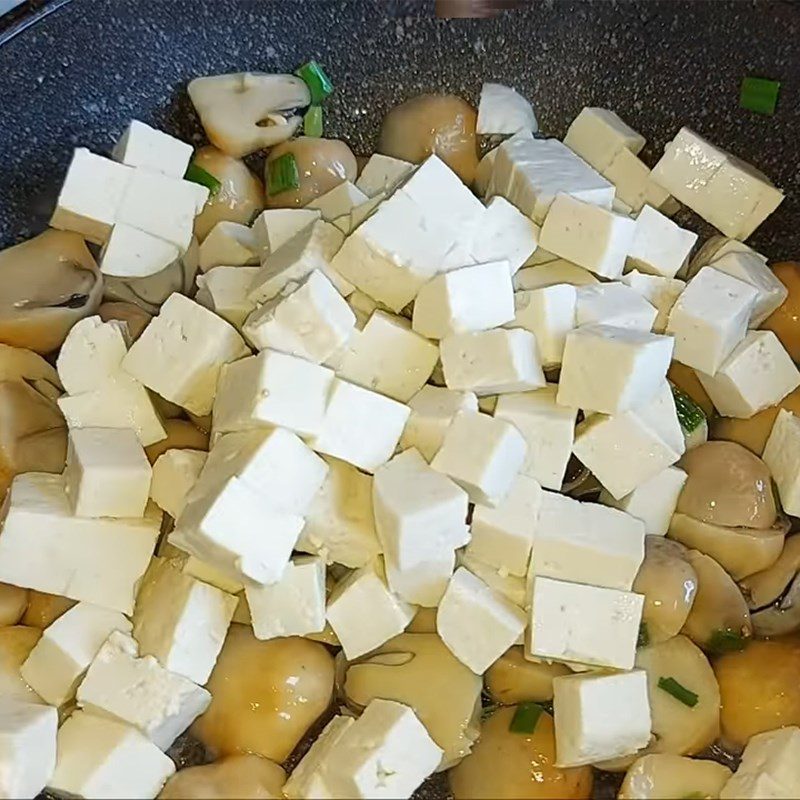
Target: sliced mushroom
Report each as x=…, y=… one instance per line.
x=244, y=777
x=514, y=679
x=16, y=642
x=247, y=111
x=19, y=364
x=46, y=285
x=44, y=609
x=135, y=317
x=181, y=434
x=665, y=777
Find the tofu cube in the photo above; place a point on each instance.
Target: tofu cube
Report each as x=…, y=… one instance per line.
x=473, y=298
x=274, y=227
x=659, y=247
x=425, y=583
x=588, y=235
x=483, y=173
x=476, y=623
x=148, y=148
x=140, y=692
x=62, y=655
x=382, y=173
x=224, y=291
x=364, y=613
x=611, y=369
x=131, y=253
x=206, y=573
x=91, y=196
x=659, y=292
x=710, y=318
x=492, y=362
x=503, y=233
x=504, y=110
x=548, y=429
x=100, y=757
x=107, y=473
x=482, y=455
x=588, y=725
x=512, y=587
x=549, y=314
x=782, y=456
x=613, y=304
x=597, y=135
x=340, y=200
x=634, y=185
x=769, y=767
x=295, y=605
x=228, y=244
x=590, y=625
x=28, y=747
x=360, y=426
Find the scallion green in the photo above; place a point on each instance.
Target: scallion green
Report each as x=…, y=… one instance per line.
x=759, y=95
x=643, y=639
x=312, y=121
x=525, y=718
x=197, y=174
x=678, y=691
x=282, y=174
x=725, y=641
x=690, y=415
x=319, y=84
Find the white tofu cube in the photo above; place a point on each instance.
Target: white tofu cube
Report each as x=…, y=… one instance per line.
x=586, y=543
x=613, y=304
x=174, y=474
x=634, y=185
x=549, y=314
x=100, y=757
x=131, y=253
x=483, y=173
x=769, y=767
x=504, y=110
x=360, y=427
x=59, y=659
x=659, y=247
x=503, y=233
x=91, y=196
x=274, y=227
x=28, y=747
x=224, y=291
x=612, y=369
x=503, y=536
x=710, y=318
x=588, y=724
x=659, y=292
x=382, y=173
x=206, y=573
x=476, y=623
x=140, y=692
x=588, y=235
x=597, y=135
x=340, y=200
x=272, y=389
x=45, y=547
x=492, y=362
x=181, y=621
x=148, y=148
x=473, y=298
x=512, y=587
x=364, y=613
x=782, y=456
x=295, y=605
x=228, y=244
x=551, y=273
x=424, y=583
x=591, y=625
x=482, y=455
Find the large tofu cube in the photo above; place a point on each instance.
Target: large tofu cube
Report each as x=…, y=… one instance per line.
x=228, y=244
x=769, y=767
x=360, y=426
x=340, y=200
x=140, y=692
x=91, y=354
x=504, y=110
x=388, y=357
x=131, y=253
x=587, y=235
x=274, y=227
x=611, y=369
x=382, y=173
x=588, y=724
x=224, y=291
x=549, y=314
x=476, y=623
x=548, y=429
x=659, y=292
x=613, y=304
x=659, y=247
x=148, y=148
x=492, y=362
x=597, y=135
x=424, y=583
x=482, y=455
x=782, y=456
x=27, y=747
x=710, y=318
x=100, y=757
x=504, y=233
x=91, y=196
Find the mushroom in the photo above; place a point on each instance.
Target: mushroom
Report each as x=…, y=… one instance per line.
x=514, y=679
x=181, y=434
x=19, y=364
x=16, y=642
x=424, y=621
x=13, y=602
x=418, y=670
x=247, y=111
x=784, y=322
x=656, y=776
x=44, y=609
x=135, y=317
x=244, y=777
x=46, y=285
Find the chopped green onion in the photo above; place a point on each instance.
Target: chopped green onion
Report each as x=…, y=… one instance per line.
x=525, y=718
x=725, y=641
x=643, y=639
x=282, y=174
x=312, y=121
x=759, y=95
x=679, y=692
x=197, y=174
x=319, y=84
x=690, y=415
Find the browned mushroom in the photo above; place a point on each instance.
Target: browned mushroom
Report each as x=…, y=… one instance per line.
x=514, y=679
x=135, y=317
x=244, y=777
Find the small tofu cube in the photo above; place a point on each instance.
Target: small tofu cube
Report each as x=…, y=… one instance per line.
x=174, y=474
x=91, y=354
x=228, y=244
x=492, y=362
x=591, y=625
x=611, y=369
x=634, y=185
x=224, y=291
x=503, y=233
x=131, y=253
x=548, y=429
x=100, y=757
x=586, y=543
x=710, y=318
x=420, y=514
x=597, y=135
x=551, y=273
x=295, y=605
x=782, y=456
x=148, y=148
x=477, y=623
x=91, y=196
x=360, y=427
x=613, y=304
x=274, y=227
x=59, y=659
x=473, y=298
x=504, y=110
x=659, y=292
x=482, y=455
x=181, y=621
x=432, y=411
x=140, y=692
x=364, y=613
x=382, y=173
x=272, y=389
x=588, y=235
x=28, y=747
x=549, y=314
x=659, y=247
x=503, y=536
x=588, y=725
x=423, y=584
x=340, y=200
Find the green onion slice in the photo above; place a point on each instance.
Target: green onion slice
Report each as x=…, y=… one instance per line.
x=759, y=95
x=643, y=639
x=312, y=121
x=725, y=641
x=197, y=174
x=319, y=84
x=678, y=691
x=282, y=174
x=525, y=718
x=690, y=415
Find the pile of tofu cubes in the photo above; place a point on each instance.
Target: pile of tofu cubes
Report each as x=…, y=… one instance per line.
x=375, y=367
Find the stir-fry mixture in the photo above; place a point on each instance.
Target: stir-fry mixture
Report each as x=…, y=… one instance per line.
x=464, y=457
